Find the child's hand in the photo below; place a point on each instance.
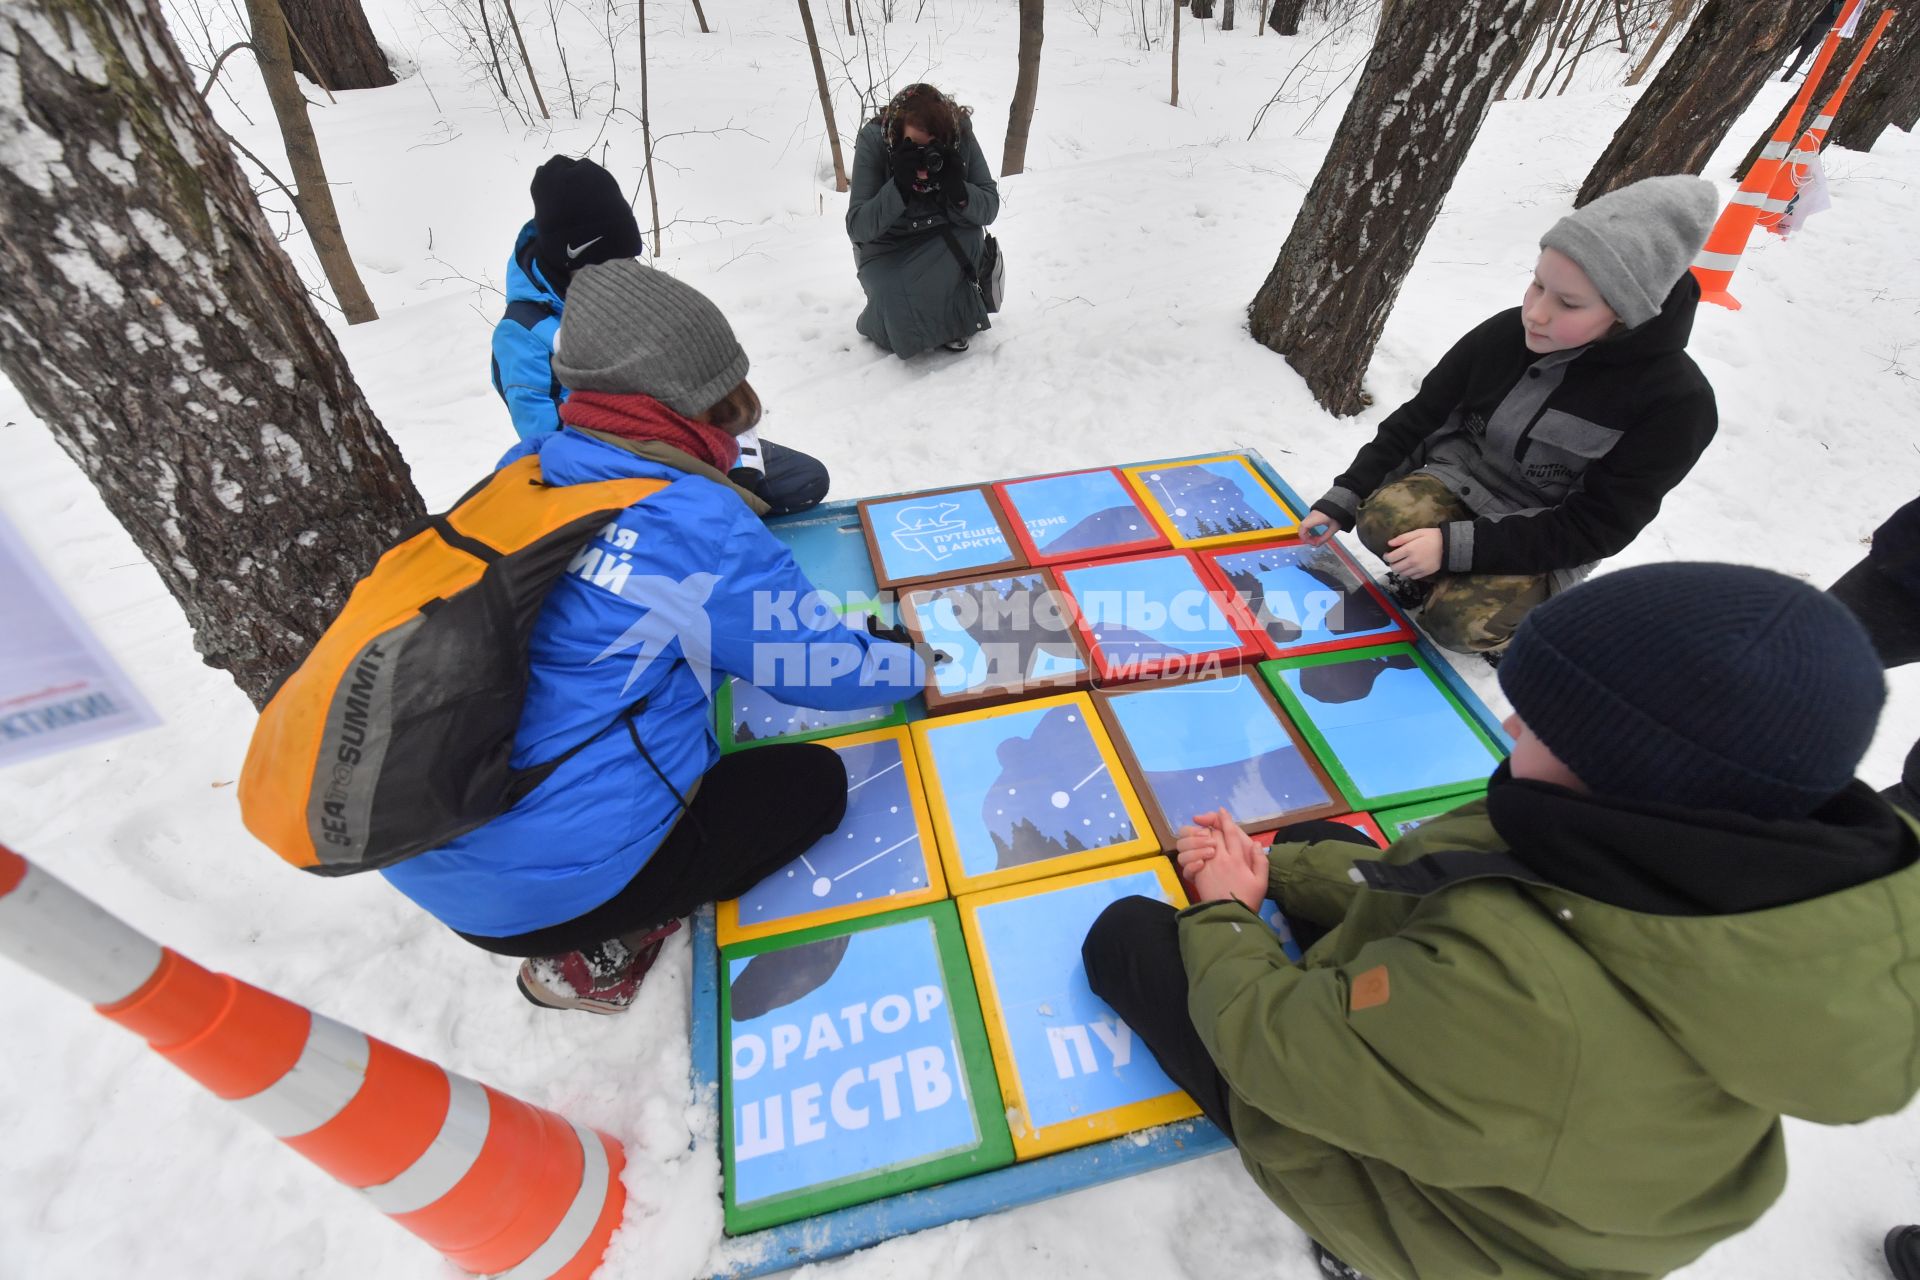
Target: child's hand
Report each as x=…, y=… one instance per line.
x=1234, y=865
x=1416, y=554
x=1317, y=520
x=1195, y=847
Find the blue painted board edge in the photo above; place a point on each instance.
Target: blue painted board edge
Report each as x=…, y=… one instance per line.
x=833, y=1235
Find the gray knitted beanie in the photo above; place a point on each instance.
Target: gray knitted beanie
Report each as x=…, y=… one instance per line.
x=1635, y=243
x=627, y=328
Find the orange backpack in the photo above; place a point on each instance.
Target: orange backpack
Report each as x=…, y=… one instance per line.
x=395, y=734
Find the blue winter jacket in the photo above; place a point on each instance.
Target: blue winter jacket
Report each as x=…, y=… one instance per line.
x=690, y=559
x=523, y=344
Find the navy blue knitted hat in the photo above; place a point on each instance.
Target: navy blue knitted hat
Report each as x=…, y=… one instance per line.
x=1713, y=686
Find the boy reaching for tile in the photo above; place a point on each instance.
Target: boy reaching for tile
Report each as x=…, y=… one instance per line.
x=1553, y=1033
x=1545, y=440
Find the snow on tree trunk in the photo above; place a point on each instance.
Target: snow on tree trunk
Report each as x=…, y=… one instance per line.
x=1420, y=101
x=156, y=326
x=1026, y=87
x=1686, y=110
x=335, y=34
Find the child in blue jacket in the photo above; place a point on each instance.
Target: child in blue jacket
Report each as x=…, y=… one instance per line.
x=592, y=871
x=580, y=219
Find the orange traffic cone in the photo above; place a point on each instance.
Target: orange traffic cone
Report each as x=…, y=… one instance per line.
x=496, y=1185
x=1795, y=174
x=1713, y=268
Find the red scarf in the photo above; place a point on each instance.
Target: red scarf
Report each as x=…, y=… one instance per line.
x=638, y=417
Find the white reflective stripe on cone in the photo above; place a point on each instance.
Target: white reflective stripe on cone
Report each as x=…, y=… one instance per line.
x=70, y=941
x=331, y=1068
x=1776, y=206
x=1773, y=151
x=1749, y=197
x=577, y=1225
x=442, y=1165
x=1717, y=261
x=1822, y=123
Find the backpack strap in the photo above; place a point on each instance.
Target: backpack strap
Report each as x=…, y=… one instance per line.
x=966, y=264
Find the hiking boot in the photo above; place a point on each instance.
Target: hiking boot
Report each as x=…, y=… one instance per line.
x=1492, y=657
x=1903, y=1253
x=1332, y=1267
x=958, y=344
x=1409, y=593
x=600, y=979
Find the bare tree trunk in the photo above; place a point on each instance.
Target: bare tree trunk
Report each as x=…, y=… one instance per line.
x=1026, y=87
x=1715, y=70
x=646, y=131
x=849, y=17
x=1174, y=100
x=566, y=72
x=312, y=196
x=1675, y=16
x=701, y=14
x=1560, y=17
x=1585, y=43
x=174, y=355
x=1420, y=102
x=1893, y=71
x=826, y=96
x=527, y=62
x=334, y=46
x=1226, y=15
x=1260, y=27
x=1284, y=17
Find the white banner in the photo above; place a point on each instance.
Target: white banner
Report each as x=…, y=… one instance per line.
x=58, y=686
x=1808, y=199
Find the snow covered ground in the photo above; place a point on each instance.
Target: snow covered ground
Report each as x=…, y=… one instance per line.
x=1133, y=246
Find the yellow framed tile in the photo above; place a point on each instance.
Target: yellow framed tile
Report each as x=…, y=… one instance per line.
x=1233, y=504
x=1059, y=796
x=1071, y=1072
x=845, y=875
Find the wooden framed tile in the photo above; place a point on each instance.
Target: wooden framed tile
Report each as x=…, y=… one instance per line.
x=1027, y=790
x=939, y=534
x=881, y=857
x=1005, y=637
x=1196, y=746
x=1071, y=1072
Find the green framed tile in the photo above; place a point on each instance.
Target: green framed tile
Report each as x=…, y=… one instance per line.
x=1395, y=823
x=751, y=717
x=1388, y=729
x=854, y=1065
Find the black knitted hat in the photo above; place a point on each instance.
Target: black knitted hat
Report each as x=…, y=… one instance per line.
x=579, y=216
x=1713, y=686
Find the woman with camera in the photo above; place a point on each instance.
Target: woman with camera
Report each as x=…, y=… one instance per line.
x=921, y=195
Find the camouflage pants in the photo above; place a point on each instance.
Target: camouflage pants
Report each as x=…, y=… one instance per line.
x=1466, y=612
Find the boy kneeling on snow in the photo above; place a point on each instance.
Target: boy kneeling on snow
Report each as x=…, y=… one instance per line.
x=1546, y=439
x=1552, y=1033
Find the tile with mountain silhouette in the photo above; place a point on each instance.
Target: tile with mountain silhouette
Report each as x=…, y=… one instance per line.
x=1396, y=822
x=1001, y=638
x=745, y=715
x=1027, y=790
x=1306, y=599
x=1199, y=746
x=1389, y=731
x=854, y=1065
x=1078, y=515
x=1156, y=617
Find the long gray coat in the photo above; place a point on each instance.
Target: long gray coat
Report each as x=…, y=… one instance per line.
x=917, y=295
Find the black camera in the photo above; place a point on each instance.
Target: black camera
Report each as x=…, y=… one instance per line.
x=932, y=160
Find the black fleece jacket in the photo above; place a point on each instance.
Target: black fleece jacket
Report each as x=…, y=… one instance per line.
x=1559, y=483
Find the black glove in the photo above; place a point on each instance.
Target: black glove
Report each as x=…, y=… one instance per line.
x=953, y=179
x=905, y=163
x=900, y=635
